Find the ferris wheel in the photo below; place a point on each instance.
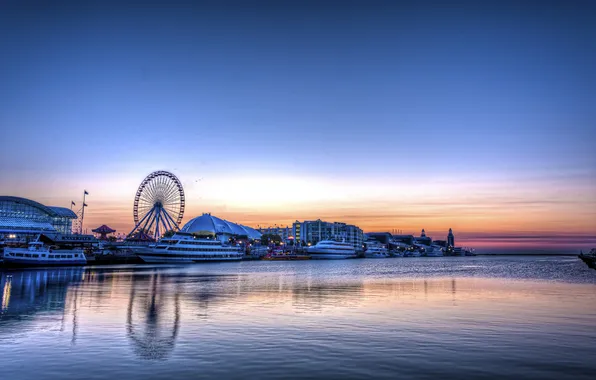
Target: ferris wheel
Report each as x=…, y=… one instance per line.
x=159, y=205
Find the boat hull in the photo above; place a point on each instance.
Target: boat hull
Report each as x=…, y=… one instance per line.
x=18, y=263
x=172, y=259
x=331, y=256
x=287, y=257
x=22, y=258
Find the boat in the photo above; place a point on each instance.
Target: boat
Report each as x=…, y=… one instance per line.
x=396, y=253
x=428, y=250
x=432, y=251
x=186, y=248
x=589, y=258
x=375, y=250
x=331, y=249
x=286, y=256
x=462, y=251
x=412, y=253
x=256, y=251
x=38, y=254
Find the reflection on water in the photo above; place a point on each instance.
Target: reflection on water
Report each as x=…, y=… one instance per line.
x=348, y=319
x=153, y=317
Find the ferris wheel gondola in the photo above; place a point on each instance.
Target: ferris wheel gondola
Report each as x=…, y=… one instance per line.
x=159, y=205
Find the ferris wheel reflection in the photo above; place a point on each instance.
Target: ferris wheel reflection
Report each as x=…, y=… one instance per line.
x=153, y=317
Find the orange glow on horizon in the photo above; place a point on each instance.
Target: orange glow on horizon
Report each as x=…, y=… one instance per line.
x=469, y=206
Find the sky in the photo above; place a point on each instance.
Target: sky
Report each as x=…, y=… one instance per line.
x=392, y=115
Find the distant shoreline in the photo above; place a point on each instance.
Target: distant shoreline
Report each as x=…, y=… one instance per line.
x=527, y=254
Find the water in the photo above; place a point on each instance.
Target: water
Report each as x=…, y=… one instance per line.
x=480, y=317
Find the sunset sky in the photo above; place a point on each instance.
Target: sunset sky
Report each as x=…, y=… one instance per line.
x=479, y=116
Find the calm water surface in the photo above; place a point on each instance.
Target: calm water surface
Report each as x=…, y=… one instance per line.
x=480, y=317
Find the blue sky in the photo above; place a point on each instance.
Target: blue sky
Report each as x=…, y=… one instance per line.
x=352, y=91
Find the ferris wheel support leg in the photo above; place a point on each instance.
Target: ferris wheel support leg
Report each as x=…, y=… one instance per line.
x=165, y=221
x=174, y=224
x=157, y=234
x=151, y=221
x=140, y=222
x=170, y=221
x=149, y=218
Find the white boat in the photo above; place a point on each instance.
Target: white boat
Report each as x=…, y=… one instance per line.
x=330, y=249
x=258, y=250
x=38, y=254
x=432, y=251
x=412, y=252
x=185, y=248
x=375, y=250
x=396, y=253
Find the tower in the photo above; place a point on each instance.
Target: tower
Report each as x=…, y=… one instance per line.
x=423, y=234
x=450, y=239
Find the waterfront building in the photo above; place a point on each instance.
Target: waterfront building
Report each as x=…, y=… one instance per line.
x=313, y=231
x=284, y=232
x=381, y=237
x=208, y=225
x=354, y=235
x=404, y=239
x=423, y=239
x=440, y=243
x=22, y=219
x=297, y=232
x=450, y=239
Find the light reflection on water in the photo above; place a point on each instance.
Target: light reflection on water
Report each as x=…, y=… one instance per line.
x=423, y=318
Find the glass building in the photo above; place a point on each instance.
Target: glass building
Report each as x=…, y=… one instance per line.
x=21, y=217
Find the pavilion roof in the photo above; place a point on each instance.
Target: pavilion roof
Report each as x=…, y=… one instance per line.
x=103, y=229
x=140, y=236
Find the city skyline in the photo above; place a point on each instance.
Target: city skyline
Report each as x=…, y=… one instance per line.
x=388, y=116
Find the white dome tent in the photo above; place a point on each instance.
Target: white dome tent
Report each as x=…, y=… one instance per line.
x=208, y=224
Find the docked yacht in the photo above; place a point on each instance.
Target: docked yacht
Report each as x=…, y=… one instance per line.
x=185, y=248
x=432, y=251
x=375, y=250
x=38, y=254
x=331, y=249
x=412, y=253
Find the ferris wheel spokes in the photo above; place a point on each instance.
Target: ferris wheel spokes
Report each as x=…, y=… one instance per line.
x=159, y=205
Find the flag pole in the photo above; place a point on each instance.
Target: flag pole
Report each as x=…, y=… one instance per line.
x=83, y=212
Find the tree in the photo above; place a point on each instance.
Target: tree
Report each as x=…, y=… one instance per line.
x=205, y=235
x=270, y=238
x=169, y=233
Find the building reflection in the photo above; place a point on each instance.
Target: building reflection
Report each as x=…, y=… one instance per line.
x=157, y=305
x=25, y=294
x=32, y=291
x=153, y=316
x=319, y=296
